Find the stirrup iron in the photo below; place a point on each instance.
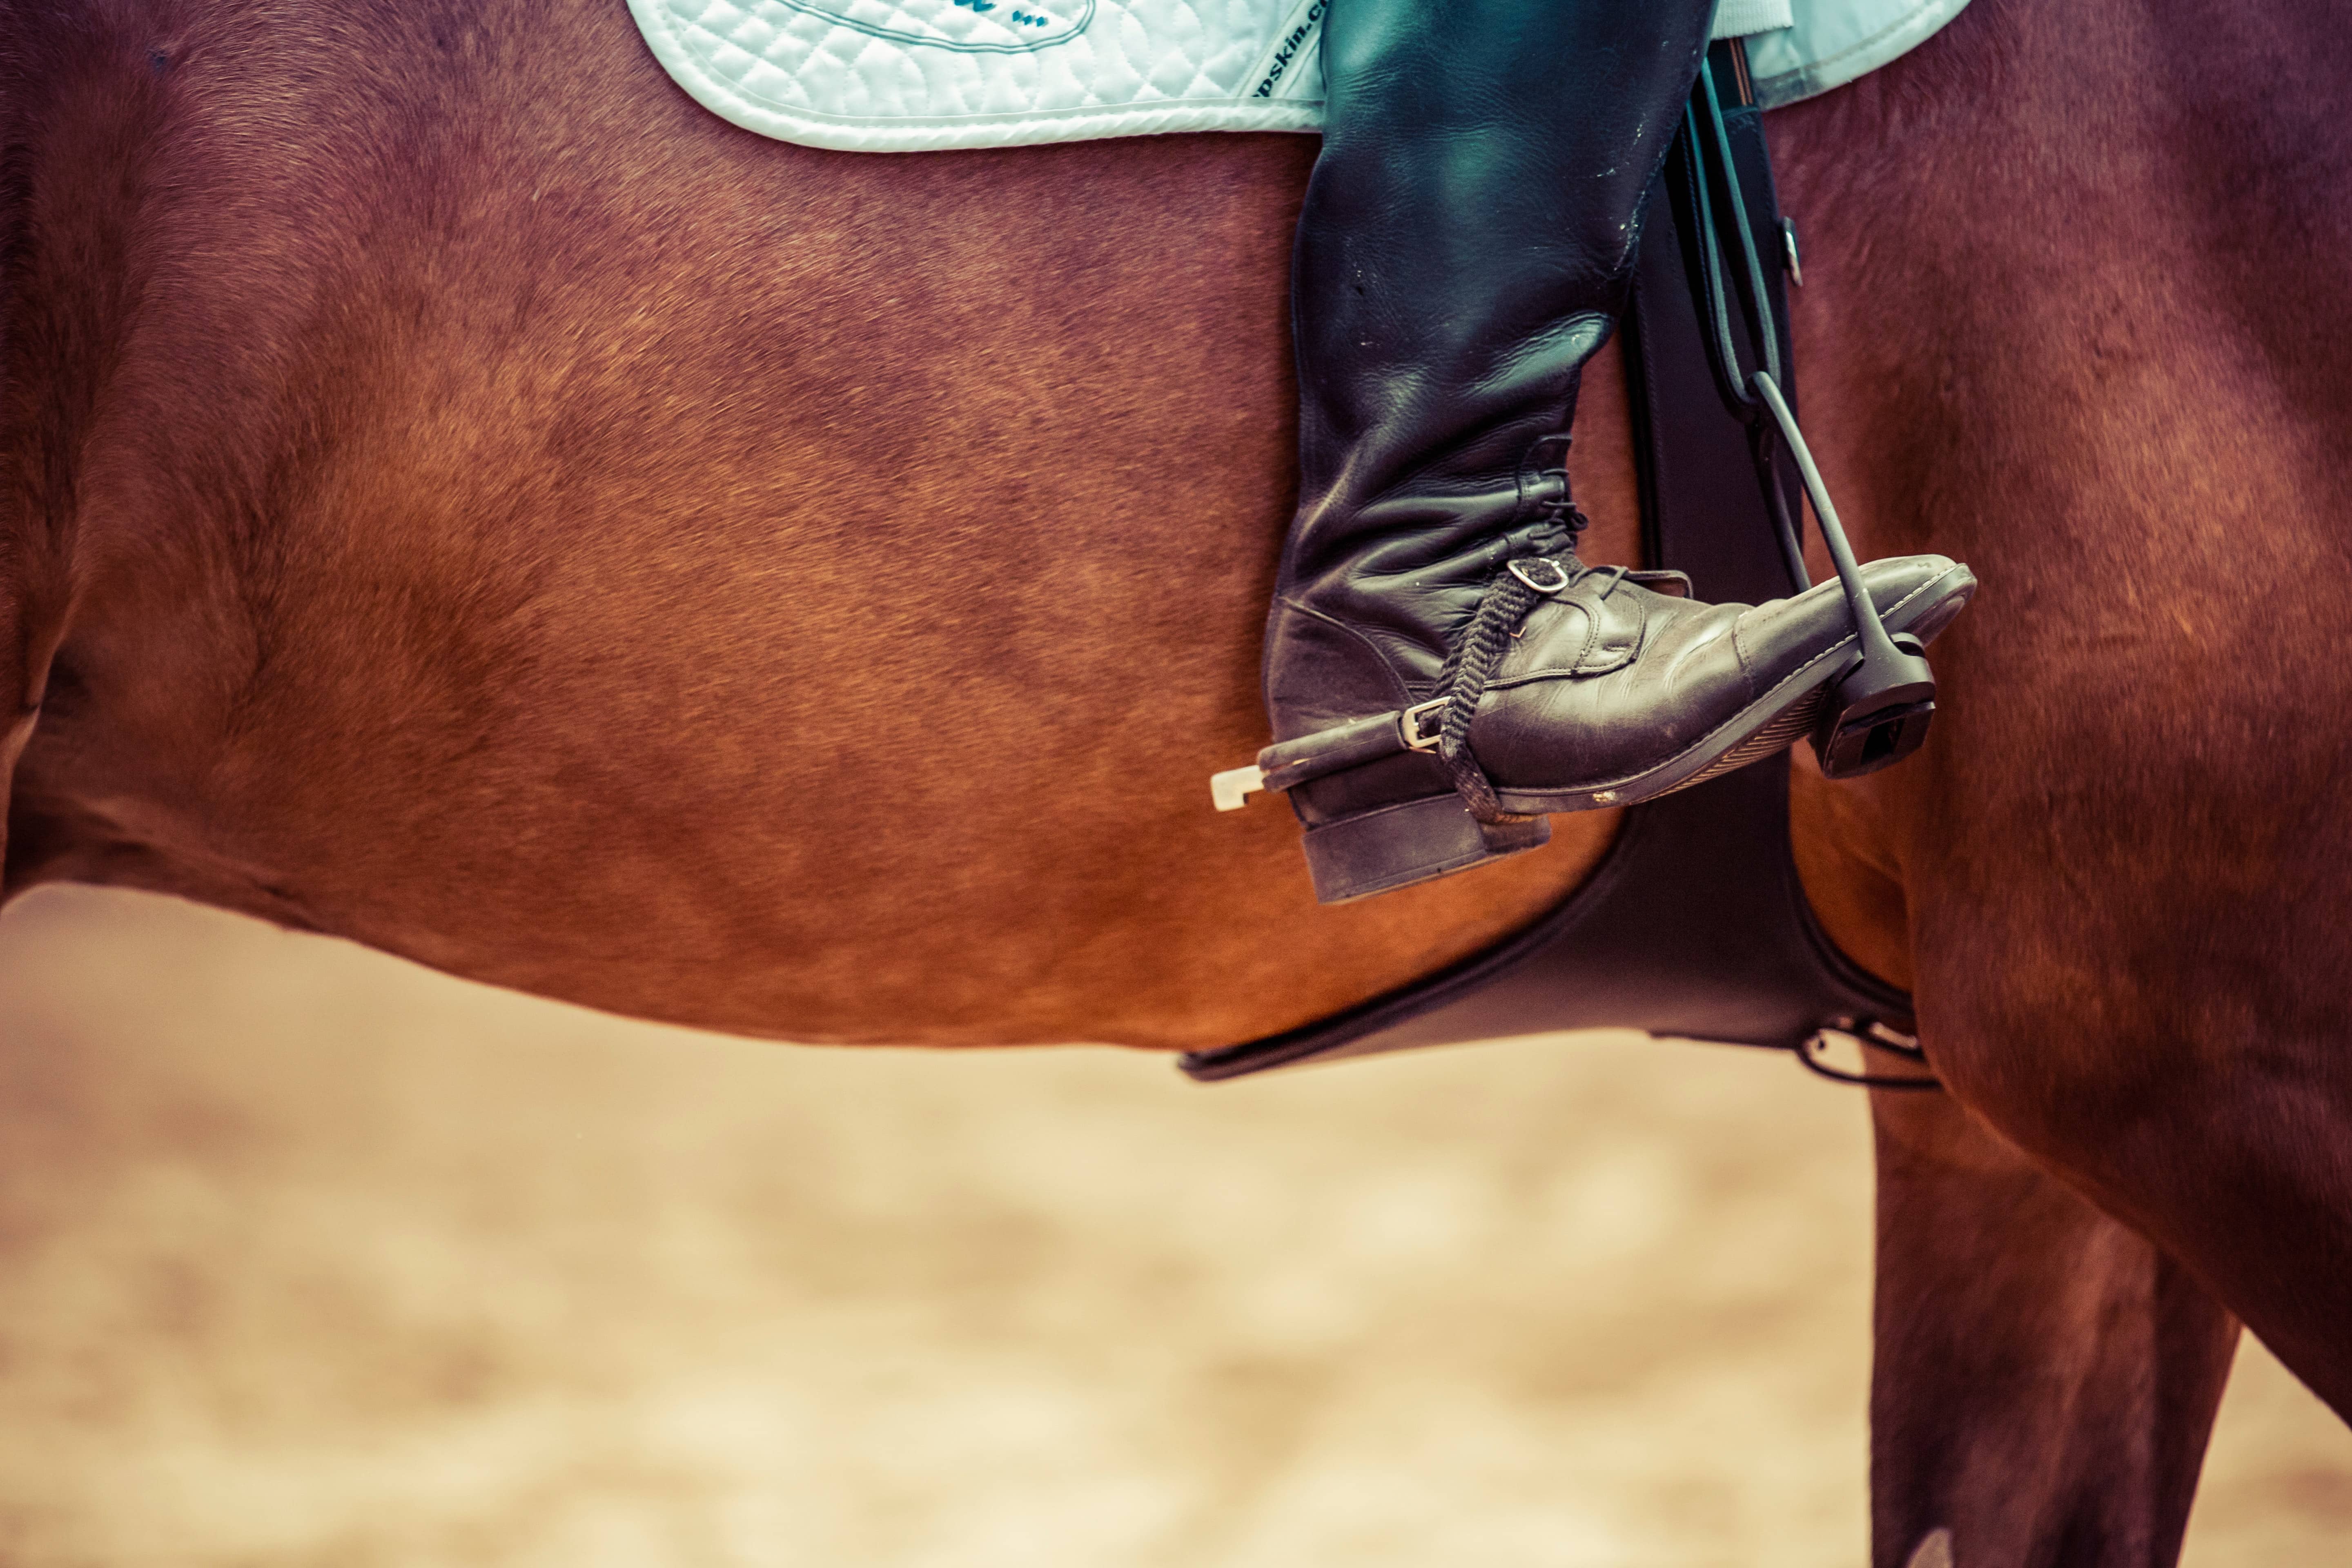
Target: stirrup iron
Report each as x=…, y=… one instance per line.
x=1875, y=713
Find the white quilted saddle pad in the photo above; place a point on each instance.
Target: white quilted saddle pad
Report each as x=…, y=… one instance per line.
x=913, y=75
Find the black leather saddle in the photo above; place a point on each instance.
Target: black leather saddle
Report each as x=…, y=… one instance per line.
x=1694, y=924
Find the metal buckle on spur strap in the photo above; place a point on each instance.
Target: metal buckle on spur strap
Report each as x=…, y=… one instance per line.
x=1409, y=725
x=1542, y=576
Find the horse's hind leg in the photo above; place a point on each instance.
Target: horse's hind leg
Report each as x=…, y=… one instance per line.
x=2044, y=1379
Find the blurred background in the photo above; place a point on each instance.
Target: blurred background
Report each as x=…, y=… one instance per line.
x=311, y=1256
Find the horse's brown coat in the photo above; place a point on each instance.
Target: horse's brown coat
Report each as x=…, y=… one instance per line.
x=482, y=505
x=608, y=553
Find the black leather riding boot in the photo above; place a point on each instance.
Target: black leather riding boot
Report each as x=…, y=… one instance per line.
x=1467, y=245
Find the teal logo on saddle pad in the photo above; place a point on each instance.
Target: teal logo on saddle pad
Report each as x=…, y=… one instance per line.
x=966, y=27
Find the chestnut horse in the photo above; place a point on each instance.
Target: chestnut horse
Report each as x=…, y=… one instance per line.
x=461, y=495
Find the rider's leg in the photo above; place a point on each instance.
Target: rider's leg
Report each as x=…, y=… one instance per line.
x=1465, y=246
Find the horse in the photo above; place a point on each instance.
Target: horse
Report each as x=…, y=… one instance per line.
x=464, y=497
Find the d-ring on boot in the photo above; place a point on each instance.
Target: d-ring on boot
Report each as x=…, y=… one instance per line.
x=1440, y=669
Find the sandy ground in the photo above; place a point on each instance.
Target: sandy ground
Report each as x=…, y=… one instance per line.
x=309, y=1256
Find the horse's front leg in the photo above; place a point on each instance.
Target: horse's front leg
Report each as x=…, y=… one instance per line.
x=2044, y=1379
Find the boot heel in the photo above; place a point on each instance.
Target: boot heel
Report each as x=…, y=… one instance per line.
x=1397, y=845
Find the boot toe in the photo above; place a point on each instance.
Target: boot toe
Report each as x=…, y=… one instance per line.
x=1916, y=590
x=1929, y=600
x=1914, y=593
